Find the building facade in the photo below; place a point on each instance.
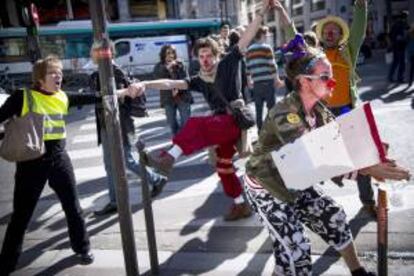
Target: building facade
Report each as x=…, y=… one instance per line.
x=305, y=13
x=226, y=10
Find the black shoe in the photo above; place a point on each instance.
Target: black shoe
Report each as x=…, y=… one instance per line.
x=109, y=208
x=85, y=258
x=370, y=209
x=157, y=189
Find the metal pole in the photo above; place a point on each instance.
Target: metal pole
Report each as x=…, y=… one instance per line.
x=112, y=124
x=388, y=7
x=69, y=9
x=382, y=228
x=149, y=218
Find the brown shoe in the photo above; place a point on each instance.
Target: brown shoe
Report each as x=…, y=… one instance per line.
x=163, y=162
x=238, y=211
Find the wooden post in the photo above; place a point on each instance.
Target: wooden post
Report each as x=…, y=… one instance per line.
x=382, y=232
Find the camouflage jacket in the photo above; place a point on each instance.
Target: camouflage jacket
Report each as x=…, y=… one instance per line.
x=284, y=123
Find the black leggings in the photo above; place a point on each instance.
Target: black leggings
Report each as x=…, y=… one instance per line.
x=30, y=178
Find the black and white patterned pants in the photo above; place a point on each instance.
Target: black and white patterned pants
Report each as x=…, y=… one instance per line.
x=312, y=208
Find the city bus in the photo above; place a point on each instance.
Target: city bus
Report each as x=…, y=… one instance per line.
x=71, y=40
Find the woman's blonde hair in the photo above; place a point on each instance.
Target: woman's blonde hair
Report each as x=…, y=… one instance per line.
x=40, y=68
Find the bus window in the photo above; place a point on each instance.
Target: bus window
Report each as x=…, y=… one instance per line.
x=13, y=50
x=77, y=47
x=52, y=45
x=122, y=48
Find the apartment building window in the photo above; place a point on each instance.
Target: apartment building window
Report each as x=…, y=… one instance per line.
x=297, y=11
x=250, y=17
x=317, y=5
x=271, y=16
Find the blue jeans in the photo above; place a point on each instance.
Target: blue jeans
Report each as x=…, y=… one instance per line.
x=398, y=61
x=263, y=91
x=131, y=162
x=183, y=109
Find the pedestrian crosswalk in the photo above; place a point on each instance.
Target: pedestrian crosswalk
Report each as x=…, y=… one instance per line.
x=193, y=171
x=193, y=197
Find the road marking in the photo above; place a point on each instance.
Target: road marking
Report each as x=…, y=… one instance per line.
x=90, y=173
x=85, y=153
x=89, y=126
x=84, y=138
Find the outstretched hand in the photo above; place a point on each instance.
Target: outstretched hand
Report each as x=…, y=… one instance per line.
x=387, y=170
x=136, y=89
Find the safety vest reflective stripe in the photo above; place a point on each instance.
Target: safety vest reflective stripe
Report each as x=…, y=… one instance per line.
x=53, y=130
x=55, y=117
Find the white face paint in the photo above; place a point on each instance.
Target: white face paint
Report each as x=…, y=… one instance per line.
x=320, y=82
x=207, y=59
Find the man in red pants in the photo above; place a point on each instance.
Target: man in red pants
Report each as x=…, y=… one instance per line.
x=219, y=129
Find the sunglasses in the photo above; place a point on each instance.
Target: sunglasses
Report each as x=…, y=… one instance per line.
x=328, y=79
x=322, y=77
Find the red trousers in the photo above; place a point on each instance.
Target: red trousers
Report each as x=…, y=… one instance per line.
x=216, y=130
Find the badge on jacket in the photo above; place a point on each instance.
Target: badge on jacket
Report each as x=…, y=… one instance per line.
x=293, y=118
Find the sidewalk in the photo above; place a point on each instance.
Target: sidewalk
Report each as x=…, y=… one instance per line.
x=110, y=262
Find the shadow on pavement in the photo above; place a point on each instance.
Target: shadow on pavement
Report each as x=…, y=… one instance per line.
x=398, y=95
x=94, y=224
x=256, y=260
x=59, y=266
x=331, y=256
x=220, y=239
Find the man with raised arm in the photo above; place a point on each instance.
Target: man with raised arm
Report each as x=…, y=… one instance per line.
x=220, y=128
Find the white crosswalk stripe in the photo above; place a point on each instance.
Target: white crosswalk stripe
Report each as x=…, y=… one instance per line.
x=85, y=153
x=88, y=126
x=89, y=173
x=84, y=138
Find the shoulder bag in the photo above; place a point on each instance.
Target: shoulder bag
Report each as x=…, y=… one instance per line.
x=242, y=113
x=23, y=137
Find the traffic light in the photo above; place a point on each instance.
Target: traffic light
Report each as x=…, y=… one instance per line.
x=30, y=18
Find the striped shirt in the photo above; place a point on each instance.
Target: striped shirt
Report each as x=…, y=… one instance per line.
x=260, y=62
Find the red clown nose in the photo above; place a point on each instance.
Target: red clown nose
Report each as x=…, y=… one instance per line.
x=331, y=83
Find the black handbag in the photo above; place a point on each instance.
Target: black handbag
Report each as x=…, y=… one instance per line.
x=243, y=116
x=242, y=113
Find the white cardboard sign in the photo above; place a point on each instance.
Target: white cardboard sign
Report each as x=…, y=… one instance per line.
x=349, y=143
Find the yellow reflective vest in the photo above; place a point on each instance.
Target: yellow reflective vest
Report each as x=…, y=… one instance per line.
x=54, y=107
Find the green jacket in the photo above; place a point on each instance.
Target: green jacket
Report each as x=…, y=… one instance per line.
x=351, y=48
x=284, y=123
